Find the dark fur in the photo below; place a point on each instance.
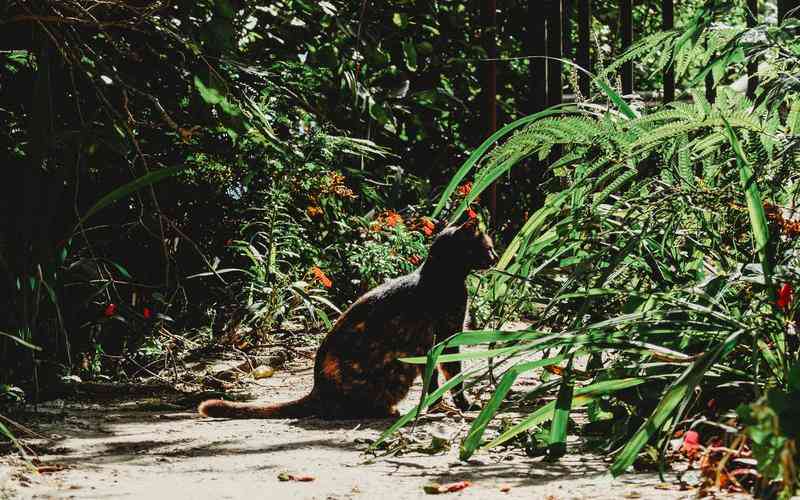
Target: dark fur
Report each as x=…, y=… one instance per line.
x=357, y=372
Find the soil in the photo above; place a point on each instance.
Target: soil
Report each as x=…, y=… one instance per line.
x=135, y=445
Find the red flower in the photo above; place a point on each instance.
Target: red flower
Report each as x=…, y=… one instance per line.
x=146, y=313
x=319, y=274
x=691, y=443
x=464, y=189
x=784, y=296
x=428, y=227
x=110, y=310
x=415, y=259
x=471, y=213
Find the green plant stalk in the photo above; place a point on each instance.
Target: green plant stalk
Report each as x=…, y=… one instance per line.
x=473, y=439
x=582, y=396
x=676, y=392
x=557, y=446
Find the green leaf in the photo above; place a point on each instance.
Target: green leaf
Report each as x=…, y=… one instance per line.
x=558, y=430
x=463, y=356
x=7, y=433
x=755, y=208
x=212, y=96
x=400, y=20
x=473, y=439
x=122, y=271
x=123, y=191
x=481, y=150
x=21, y=342
x=581, y=397
x=410, y=52
x=675, y=395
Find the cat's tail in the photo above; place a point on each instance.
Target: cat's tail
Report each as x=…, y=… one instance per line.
x=303, y=407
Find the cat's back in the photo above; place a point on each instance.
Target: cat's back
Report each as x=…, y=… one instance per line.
x=388, y=299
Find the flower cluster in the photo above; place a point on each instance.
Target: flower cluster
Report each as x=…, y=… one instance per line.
x=334, y=184
x=387, y=219
x=427, y=226
x=790, y=228
x=321, y=277
x=462, y=192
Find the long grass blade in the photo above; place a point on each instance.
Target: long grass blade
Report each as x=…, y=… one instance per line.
x=673, y=397
x=131, y=187
x=473, y=439
x=581, y=397
x=479, y=152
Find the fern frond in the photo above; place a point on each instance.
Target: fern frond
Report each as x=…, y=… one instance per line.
x=663, y=41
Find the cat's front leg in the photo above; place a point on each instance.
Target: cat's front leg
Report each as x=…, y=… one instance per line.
x=450, y=370
x=453, y=368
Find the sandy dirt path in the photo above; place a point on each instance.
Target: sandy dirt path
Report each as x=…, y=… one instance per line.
x=114, y=450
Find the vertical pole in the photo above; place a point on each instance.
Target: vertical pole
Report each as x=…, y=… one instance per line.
x=584, y=28
x=537, y=40
x=538, y=49
x=554, y=91
x=489, y=111
x=566, y=29
x=752, y=67
x=626, y=34
x=668, y=22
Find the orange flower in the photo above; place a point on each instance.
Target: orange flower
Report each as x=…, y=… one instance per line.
x=464, y=189
x=415, y=259
x=320, y=275
x=313, y=211
x=393, y=218
x=428, y=226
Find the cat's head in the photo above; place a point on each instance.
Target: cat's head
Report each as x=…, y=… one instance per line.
x=463, y=246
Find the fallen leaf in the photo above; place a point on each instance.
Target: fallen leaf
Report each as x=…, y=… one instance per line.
x=47, y=469
x=505, y=487
x=436, y=488
x=460, y=485
x=691, y=443
x=285, y=476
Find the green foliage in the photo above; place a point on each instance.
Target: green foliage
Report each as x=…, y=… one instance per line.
x=656, y=248
x=386, y=252
x=771, y=423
